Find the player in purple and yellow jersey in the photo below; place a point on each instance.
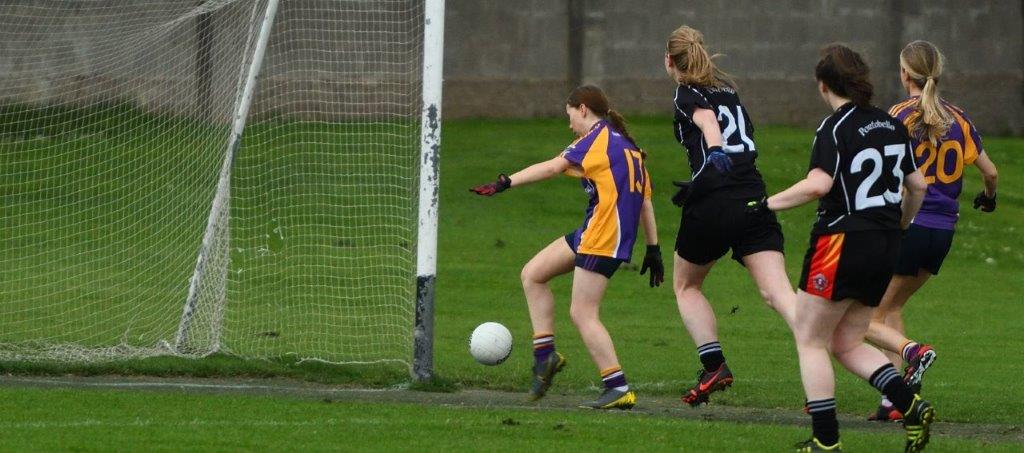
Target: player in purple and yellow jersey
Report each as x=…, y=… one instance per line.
x=611, y=169
x=944, y=141
x=713, y=126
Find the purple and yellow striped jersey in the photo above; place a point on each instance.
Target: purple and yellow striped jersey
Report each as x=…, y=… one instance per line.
x=942, y=165
x=612, y=173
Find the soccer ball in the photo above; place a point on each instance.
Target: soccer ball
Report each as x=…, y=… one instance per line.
x=490, y=343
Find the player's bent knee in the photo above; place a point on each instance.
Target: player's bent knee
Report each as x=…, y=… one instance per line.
x=684, y=292
x=529, y=277
x=841, y=347
x=581, y=314
x=524, y=275
x=806, y=337
x=771, y=298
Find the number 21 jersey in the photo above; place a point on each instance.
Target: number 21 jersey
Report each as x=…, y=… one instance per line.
x=867, y=153
x=743, y=181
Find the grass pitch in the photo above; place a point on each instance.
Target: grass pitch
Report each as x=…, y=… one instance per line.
x=971, y=313
x=174, y=420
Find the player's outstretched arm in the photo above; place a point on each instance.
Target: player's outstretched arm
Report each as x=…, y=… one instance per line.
x=540, y=171
x=817, y=184
x=652, y=258
x=536, y=172
x=913, y=196
x=986, y=200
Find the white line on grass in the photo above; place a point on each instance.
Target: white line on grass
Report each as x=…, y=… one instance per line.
x=89, y=423
x=193, y=385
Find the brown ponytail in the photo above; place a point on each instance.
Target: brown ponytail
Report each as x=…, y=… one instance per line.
x=595, y=100
x=695, y=65
x=923, y=63
x=845, y=73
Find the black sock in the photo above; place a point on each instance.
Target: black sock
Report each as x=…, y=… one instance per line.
x=888, y=381
x=711, y=355
x=823, y=421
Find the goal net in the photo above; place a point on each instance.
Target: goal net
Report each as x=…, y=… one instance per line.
x=133, y=224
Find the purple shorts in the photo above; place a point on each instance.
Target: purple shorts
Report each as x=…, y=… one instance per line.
x=603, y=265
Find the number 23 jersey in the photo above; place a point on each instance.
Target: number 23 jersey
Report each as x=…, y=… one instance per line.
x=867, y=153
x=743, y=181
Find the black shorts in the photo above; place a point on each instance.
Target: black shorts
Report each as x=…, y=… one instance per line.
x=603, y=265
x=852, y=265
x=711, y=226
x=923, y=248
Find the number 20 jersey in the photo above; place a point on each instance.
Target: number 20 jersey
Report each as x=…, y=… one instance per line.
x=942, y=165
x=743, y=181
x=867, y=153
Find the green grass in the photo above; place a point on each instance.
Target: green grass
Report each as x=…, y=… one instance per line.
x=971, y=311
x=171, y=421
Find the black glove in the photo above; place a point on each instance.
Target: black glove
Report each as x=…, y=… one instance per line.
x=719, y=159
x=501, y=185
x=984, y=202
x=680, y=196
x=652, y=261
x=756, y=207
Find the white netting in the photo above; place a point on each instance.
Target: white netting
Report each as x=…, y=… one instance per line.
x=115, y=119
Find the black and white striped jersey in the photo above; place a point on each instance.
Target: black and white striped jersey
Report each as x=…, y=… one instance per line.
x=867, y=153
x=743, y=181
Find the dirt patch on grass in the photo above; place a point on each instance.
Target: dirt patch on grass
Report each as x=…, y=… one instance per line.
x=648, y=405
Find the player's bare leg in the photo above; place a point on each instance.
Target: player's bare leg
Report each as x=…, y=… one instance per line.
x=768, y=269
x=848, y=345
x=554, y=260
x=815, y=324
x=869, y=363
x=886, y=329
x=816, y=321
x=588, y=289
x=700, y=322
x=697, y=314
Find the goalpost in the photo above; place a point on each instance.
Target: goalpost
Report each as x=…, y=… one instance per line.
x=251, y=177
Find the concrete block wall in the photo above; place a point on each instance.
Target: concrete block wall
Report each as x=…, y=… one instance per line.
x=517, y=58
x=514, y=53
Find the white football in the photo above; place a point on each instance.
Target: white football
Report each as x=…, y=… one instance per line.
x=490, y=343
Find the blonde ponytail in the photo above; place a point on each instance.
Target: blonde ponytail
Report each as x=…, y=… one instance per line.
x=923, y=63
x=695, y=66
x=934, y=115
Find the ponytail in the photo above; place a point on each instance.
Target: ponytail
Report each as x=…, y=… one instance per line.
x=619, y=123
x=691, y=59
x=923, y=63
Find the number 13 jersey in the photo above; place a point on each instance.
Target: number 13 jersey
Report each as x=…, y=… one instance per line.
x=743, y=181
x=867, y=153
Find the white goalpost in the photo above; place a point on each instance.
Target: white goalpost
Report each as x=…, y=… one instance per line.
x=251, y=177
x=219, y=216
x=430, y=159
